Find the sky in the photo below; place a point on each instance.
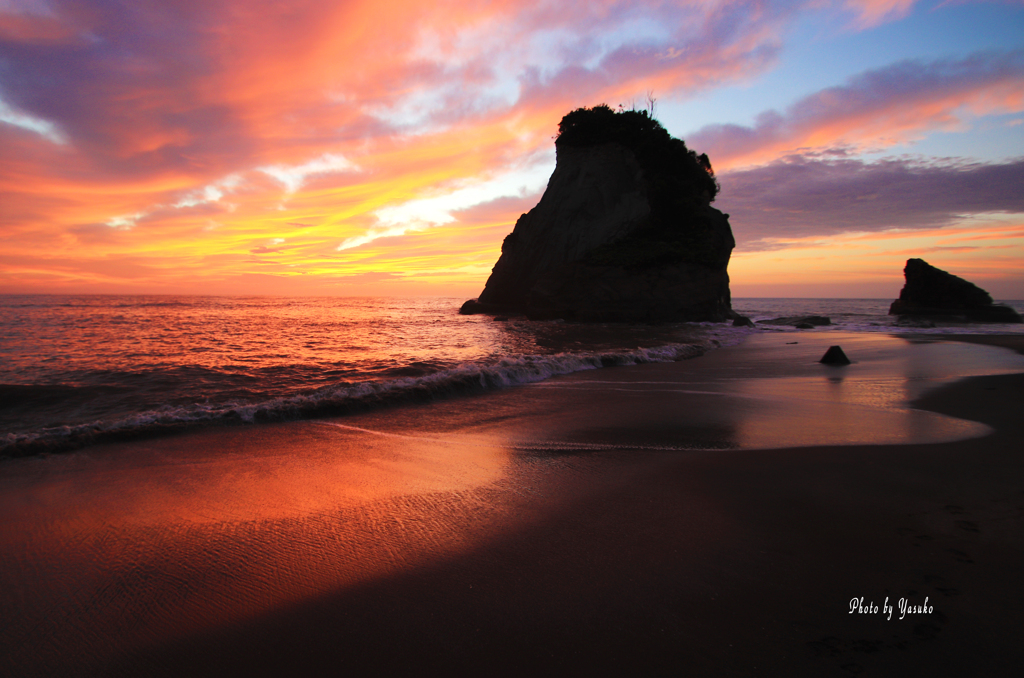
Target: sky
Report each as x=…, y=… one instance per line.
x=350, y=147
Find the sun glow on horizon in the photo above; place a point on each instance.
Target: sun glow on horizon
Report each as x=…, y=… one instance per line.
x=350, y=148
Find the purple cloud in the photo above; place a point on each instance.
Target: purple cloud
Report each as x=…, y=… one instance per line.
x=800, y=196
x=877, y=107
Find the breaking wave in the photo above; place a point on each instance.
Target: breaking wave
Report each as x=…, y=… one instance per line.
x=340, y=399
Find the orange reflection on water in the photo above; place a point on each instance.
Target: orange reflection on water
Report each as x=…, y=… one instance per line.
x=821, y=411
x=867, y=403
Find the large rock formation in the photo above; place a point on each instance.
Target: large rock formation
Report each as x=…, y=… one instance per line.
x=624, y=232
x=932, y=292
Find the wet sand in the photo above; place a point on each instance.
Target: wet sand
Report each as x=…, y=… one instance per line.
x=709, y=517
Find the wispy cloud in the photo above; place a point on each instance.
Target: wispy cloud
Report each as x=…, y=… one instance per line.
x=43, y=128
x=803, y=197
x=179, y=139
x=264, y=249
x=293, y=177
x=423, y=213
x=877, y=109
x=873, y=12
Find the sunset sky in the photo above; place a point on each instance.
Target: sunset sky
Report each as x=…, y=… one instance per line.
x=357, y=147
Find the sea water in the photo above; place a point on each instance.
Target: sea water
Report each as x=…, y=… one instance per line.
x=76, y=370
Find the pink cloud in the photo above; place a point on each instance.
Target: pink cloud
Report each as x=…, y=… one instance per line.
x=876, y=109
x=873, y=12
x=195, y=91
x=805, y=197
x=173, y=112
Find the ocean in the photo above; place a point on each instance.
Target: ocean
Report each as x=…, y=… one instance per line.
x=77, y=370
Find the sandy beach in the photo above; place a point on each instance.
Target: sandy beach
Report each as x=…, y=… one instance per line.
x=714, y=516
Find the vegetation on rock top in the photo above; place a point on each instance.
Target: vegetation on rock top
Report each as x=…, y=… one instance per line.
x=680, y=187
x=658, y=152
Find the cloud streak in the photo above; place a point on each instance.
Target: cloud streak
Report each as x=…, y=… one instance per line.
x=876, y=110
x=807, y=197
x=873, y=12
x=192, y=127
x=174, y=143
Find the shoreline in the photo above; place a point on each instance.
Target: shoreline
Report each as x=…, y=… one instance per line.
x=443, y=386
x=349, y=399
x=544, y=530
x=1014, y=342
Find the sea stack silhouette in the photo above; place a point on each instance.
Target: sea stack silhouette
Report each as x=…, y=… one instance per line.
x=932, y=292
x=624, y=232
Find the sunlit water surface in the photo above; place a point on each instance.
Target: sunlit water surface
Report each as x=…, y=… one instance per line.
x=76, y=370
x=82, y=369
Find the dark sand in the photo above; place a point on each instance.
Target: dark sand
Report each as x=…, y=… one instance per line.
x=709, y=517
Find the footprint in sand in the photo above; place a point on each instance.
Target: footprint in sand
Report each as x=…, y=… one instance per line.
x=908, y=531
x=937, y=583
x=960, y=556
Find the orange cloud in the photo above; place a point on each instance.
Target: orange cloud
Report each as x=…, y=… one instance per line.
x=235, y=146
x=875, y=110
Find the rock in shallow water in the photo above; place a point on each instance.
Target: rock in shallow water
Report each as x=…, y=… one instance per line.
x=624, y=232
x=834, y=356
x=932, y=292
x=802, y=321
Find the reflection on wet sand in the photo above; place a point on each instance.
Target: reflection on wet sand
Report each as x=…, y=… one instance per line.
x=864, y=403
x=120, y=548
x=774, y=393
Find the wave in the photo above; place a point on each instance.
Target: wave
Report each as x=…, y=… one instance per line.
x=339, y=399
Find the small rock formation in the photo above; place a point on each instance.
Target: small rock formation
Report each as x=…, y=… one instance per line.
x=742, y=321
x=624, y=232
x=801, y=321
x=834, y=356
x=932, y=292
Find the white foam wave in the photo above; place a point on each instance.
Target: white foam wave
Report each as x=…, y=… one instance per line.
x=343, y=398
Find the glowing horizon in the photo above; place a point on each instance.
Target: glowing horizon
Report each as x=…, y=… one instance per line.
x=349, y=148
